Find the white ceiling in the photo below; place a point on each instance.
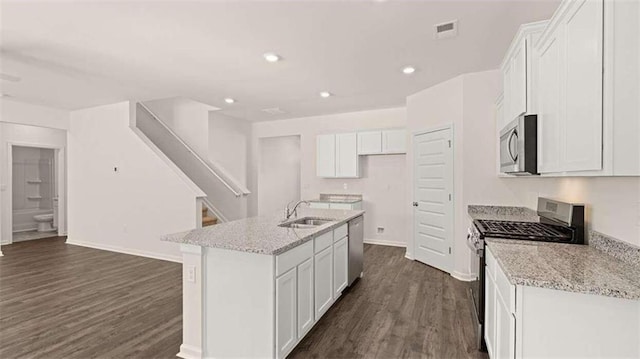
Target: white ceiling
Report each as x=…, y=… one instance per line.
x=79, y=54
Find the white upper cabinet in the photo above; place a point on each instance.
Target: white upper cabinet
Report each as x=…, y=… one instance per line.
x=549, y=116
x=570, y=89
x=326, y=155
x=347, y=155
x=337, y=154
x=383, y=142
x=394, y=141
x=370, y=143
x=621, y=110
x=518, y=70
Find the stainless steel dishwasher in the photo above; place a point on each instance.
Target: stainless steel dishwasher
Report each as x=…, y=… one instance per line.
x=356, y=248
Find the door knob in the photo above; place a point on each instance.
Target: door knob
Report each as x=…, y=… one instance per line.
x=415, y=204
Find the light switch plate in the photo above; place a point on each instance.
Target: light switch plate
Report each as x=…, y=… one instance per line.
x=191, y=274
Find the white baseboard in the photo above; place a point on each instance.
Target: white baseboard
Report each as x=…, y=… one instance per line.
x=465, y=277
x=408, y=256
x=382, y=242
x=118, y=249
x=189, y=352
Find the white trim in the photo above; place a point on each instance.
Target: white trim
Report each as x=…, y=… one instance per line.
x=134, y=252
x=409, y=256
x=382, y=242
x=189, y=352
x=465, y=277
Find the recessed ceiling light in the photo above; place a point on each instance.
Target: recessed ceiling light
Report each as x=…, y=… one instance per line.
x=408, y=70
x=325, y=94
x=229, y=100
x=271, y=57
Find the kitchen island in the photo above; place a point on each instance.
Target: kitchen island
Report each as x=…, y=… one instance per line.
x=255, y=287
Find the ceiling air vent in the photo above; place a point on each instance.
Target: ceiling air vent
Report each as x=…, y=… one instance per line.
x=274, y=111
x=446, y=29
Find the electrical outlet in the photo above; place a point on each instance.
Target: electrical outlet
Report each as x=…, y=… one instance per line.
x=380, y=230
x=345, y=186
x=191, y=274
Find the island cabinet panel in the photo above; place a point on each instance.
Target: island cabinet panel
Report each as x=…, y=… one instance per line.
x=323, y=281
x=286, y=305
x=262, y=305
x=305, y=298
x=340, y=266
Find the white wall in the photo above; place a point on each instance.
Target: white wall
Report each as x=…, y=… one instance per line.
x=468, y=101
x=279, y=173
x=384, y=182
x=129, y=209
x=229, y=143
x=187, y=118
x=13, y=111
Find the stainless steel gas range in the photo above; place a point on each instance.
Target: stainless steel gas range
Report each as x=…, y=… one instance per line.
x=559, y=222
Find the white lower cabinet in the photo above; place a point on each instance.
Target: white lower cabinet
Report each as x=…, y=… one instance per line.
x=323, y=281
x=490, y=313
x=286, y=324
x=340, y=266
x=306, y=317
x=532, y=322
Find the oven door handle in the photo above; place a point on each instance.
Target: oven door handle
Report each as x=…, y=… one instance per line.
x=473, y=246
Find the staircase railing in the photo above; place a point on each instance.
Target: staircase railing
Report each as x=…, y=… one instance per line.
x=228, y=195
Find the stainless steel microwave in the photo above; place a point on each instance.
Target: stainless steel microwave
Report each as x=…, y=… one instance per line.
x=519, y=146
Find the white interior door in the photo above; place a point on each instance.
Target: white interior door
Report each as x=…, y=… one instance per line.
x=433, y=198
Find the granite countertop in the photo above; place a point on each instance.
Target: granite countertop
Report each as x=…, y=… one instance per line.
x=502, y=213
x=262, y=234
x=568, y=267
x=338, y=198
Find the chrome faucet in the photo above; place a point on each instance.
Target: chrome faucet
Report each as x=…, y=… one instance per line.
x=288, y=212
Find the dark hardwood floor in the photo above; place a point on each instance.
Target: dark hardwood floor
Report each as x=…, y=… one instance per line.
x=64, y=301
x=399, y=309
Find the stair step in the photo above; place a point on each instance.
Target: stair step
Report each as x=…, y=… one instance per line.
x=209, y=221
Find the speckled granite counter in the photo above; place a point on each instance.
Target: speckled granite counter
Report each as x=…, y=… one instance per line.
x=262, y=234
x=338, y=198
x=568, y=267
x=502, y=213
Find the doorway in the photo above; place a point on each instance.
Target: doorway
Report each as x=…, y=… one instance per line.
x=36, y=185
x=278, y=173
x=433, y=198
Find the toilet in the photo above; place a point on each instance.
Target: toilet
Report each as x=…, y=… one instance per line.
x=45, y=222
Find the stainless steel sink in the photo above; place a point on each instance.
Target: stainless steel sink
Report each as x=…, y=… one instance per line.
x=306, y=222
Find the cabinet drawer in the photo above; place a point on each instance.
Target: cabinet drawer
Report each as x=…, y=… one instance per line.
x=293, y=257
x=323, y=241
x=340, y=232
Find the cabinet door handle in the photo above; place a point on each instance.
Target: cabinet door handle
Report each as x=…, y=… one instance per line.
x=415, y=204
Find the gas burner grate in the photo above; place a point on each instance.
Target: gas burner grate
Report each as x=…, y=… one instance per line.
x=527, y=230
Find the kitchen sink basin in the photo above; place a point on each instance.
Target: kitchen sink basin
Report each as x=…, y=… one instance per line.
x=306, y=222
